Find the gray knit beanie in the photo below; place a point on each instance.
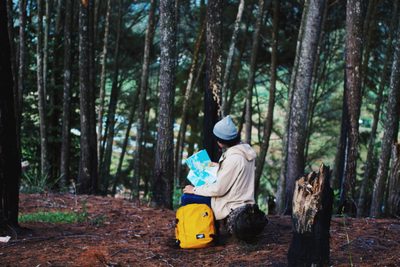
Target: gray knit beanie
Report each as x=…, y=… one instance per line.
x=225, y=129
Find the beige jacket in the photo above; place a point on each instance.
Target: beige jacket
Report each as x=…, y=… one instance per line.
x=235, y=181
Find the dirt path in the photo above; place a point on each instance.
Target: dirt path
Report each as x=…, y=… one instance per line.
x=120, y=233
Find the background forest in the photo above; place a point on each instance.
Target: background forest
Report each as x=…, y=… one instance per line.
x=111, y=96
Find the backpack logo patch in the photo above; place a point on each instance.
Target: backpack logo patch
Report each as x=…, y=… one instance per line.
x=200, y=236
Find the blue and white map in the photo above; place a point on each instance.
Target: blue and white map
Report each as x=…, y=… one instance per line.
x=201, y=172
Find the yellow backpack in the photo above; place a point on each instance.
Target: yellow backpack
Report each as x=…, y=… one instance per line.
x=194, y=226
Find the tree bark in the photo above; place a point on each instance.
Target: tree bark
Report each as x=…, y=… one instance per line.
x=87, y=178
x=212, y=95
x=366, y=182
x=162, y=186
x=13, y=53
x=280, y=193
x=22, y=55
x=392, y=118
x=144, y=83
x=46, y=46
x=299, y=105
x=66, y=115
x=10, y=162
x=229, y=60
x=103, y=81
x=312, y=212
x=271, y=101
x=44, y=161
x=252, y=72
x=353, y=101
x=393, y=204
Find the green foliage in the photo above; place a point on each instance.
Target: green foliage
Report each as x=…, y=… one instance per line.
x=35, y=183
x=53, y=217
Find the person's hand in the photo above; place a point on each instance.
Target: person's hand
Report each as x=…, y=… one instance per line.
x=188, y=189
x=213, y=164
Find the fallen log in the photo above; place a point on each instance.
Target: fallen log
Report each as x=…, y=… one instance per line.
x=311, y=217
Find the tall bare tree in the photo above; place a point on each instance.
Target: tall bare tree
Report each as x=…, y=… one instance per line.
x=229, y=60
x=389, y=135
x=44, y=160
x=271, y=101
x=252, y=72
x=66, y=115
x=112, y=107
x=144, y=83
x=10, y=162
x=212, y=95
x=87, y=178
x=22, y=56
x=361, y=207
x=103, y=61
x=281, y=188
x=353, y=99
x=162, y=186
x=299, y=105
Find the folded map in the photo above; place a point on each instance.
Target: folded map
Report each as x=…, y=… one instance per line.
x=201, y=170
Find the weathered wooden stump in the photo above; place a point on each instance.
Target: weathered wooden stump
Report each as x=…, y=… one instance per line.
x=312, y=211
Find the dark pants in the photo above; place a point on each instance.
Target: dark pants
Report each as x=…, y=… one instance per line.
x=195, y=199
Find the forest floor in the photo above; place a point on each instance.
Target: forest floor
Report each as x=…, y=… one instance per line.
x=118, y=232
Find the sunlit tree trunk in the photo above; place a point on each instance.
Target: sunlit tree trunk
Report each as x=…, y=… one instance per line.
x=299, y=105
x=66, y=115
x=212, y=95
x=389, y=135
x=280, y=192
x=162, y=183
x=366, y=182
x=353, y=100
x=252, y=72
x=229, y=60
x=144, y=83
x=10, y=162
x=271, y=101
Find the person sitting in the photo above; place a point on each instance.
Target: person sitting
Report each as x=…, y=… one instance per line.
x=233, y=190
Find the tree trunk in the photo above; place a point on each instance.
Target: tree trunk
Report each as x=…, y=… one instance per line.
x=393, y=205
x=212, y=94
x=144, y=83
x=229, y=60
x=392, y=118
x=46, y=46
x=41, y=94
x=66, y=116
x=301, y=87
x=10, y=162
x=353, y=100
x=103, y=82
x=252, y=72
x=280, y=194
x=312, y=212
x=112, y=107
x=271, y=101
x=22, y=56
x=186, y=103
x=87, y=178
x=13, y=54
x=162, y=186
x=366, y=182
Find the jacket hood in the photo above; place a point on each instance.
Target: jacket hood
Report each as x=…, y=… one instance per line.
x=242, y=149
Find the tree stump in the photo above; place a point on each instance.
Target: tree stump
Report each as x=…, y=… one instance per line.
x=312, y=211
